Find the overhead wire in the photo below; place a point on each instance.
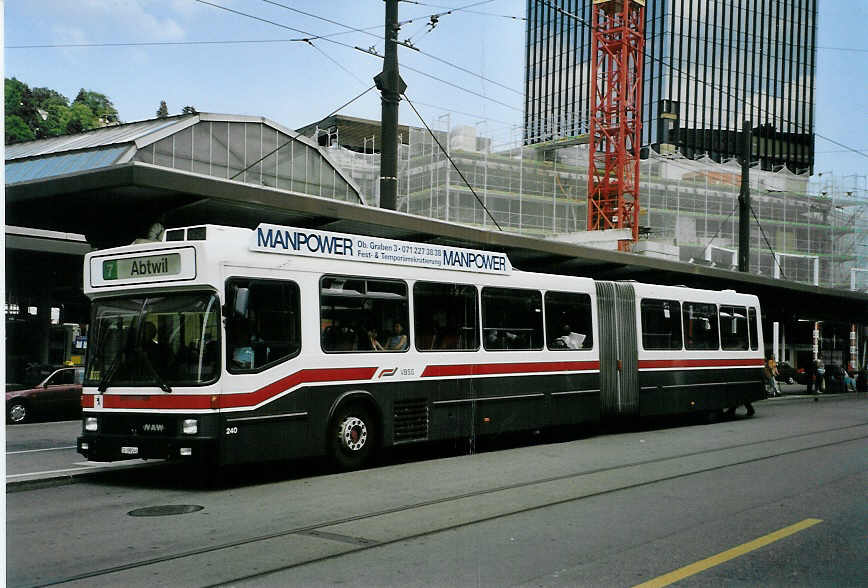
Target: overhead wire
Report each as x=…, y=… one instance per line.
x=298, y=134
x=509, y=16
x=426, y=54
x=312, y=37
x=337, y=63
x=727, y=93
x=774, y=253
x=721, y=89
x=451, y=161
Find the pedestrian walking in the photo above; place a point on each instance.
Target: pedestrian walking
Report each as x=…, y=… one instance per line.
x=772, y=370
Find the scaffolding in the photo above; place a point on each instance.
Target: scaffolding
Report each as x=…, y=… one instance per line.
x=806, y=232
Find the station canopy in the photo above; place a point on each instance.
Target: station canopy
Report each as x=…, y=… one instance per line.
x=114, y=183
x=247, y=149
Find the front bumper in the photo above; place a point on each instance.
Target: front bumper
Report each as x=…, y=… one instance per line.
x=118, y=448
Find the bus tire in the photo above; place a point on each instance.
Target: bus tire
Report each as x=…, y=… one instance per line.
x=352, y=436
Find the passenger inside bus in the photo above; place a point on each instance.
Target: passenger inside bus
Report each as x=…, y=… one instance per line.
x=150, y=345
x=568, y=339
x=396, y=342
x=339, y=337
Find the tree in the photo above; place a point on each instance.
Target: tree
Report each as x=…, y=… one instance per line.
x=99, y=105
x=17, y=130
x=163, y=110
x=189, y=110
x=19, y=104
x=81, y=118
x=53, y=111
x=42, y=112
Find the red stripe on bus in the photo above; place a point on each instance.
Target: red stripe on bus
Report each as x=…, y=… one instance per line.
x=247, y=399
x=293, y=380
x=721, y=363
x=484, y=369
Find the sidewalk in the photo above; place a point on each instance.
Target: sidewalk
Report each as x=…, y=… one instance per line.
x=801, y=391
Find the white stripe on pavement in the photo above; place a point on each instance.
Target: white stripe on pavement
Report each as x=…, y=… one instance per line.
x=46, y=472
x=85, y=466
x=35, y=450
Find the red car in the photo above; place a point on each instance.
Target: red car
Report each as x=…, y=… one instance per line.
x=58, y=394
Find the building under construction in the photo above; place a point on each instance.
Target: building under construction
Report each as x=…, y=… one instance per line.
x=800, y=231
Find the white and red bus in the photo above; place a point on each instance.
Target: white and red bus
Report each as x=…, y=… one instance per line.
x=226, y=345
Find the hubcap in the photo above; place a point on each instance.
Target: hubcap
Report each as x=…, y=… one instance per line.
x=17, y=413
x=353, y=433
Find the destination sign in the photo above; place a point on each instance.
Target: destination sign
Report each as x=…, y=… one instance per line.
x=142, y=267
x=311, y=243
x=178, y=263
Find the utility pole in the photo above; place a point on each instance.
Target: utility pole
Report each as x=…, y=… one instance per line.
x=744, y=202
x=391, y=86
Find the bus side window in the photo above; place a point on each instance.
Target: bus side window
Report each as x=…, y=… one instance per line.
x=700, y=326
x=733, y=328
x=512, y=319
x=362, y=314
x=661, y=324
x=445, y=317
x=568, y=321
x=262, y=325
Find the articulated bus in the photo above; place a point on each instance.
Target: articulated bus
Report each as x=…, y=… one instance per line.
x=225, y=345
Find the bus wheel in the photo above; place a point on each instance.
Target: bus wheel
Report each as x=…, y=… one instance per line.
x=352, y=436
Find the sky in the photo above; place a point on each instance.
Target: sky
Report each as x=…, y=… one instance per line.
x=240, y=65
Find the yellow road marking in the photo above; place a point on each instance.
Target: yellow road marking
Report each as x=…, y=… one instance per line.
x=727, y=555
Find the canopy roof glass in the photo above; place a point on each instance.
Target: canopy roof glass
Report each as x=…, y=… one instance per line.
x=247, y=149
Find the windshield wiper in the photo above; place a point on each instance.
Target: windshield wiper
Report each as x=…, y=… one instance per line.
x=110, y=372
x=160, y=381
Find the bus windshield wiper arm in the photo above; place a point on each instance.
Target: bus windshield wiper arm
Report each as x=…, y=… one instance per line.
x=110, y=372
x=160, y=381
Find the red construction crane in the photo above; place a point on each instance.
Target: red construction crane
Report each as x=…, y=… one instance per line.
x=617, y=53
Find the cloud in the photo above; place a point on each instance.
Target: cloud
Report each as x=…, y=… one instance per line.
x=135, y=20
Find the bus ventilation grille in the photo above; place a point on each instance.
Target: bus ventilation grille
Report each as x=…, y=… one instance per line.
x=411, y=420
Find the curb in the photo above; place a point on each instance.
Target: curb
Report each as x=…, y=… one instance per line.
x=37, y=482
x=814, y=397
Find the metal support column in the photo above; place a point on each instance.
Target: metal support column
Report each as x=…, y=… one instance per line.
x=391, y=87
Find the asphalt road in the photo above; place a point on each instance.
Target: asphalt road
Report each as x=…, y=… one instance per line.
x=780, y=499
x=45, y=453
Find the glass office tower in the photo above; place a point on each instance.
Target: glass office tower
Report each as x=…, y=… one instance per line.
x=709, y=65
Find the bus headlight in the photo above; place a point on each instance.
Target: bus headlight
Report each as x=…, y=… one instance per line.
x=91, y=424
x=190, y=426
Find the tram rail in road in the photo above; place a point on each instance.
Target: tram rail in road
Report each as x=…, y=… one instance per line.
x=40, y=454
x=44, y=453
x=299, y=537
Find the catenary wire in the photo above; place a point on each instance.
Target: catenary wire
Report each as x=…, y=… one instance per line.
x=426, y=54
x=721, y=89
x=433, y=136
x=337, y=63
x=297, y=134
x=774, y=254
x=464, y=10
x=271, y=22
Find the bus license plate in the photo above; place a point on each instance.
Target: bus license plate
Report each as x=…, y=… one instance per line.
x=129, y=450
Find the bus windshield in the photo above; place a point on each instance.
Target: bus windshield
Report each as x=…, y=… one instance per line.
x=154, y=340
